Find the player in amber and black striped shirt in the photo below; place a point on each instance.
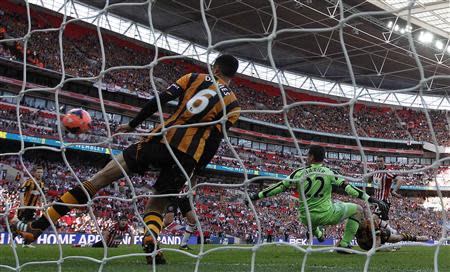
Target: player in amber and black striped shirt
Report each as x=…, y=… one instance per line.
x=199, y=102
x=30, y=195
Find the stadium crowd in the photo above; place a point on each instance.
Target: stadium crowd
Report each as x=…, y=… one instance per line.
x=82, y=58
x=42, y=123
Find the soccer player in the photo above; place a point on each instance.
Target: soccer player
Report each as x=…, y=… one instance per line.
x=186, y=211
x=383, y=235
x=198, y=102
x=383, y=183
x=318, y=182
x=30, y=196
x=114, y=235
x=182, y=203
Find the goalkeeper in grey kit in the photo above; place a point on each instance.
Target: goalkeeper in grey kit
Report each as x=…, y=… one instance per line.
x=318, y=181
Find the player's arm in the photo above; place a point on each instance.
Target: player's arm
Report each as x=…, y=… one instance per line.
x=172, y=92
x=398, y=183
x=105, y=235
x=23, y=189
x=350, y=189
x=277, y=188
x=358, y=193
x=131, y=233
x=233, y=112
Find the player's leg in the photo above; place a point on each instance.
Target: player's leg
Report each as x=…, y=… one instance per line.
x=384, y=224
x=170, y=181
x=77, y=195
x=26, y=215
x=153, y=215
x=319, y=233
x=395, y=238
x=354, y=215
x=169, y=217
x=98, y=244
x=316, y=221
x=316, y=225
x=154, y=223
x=191, y=226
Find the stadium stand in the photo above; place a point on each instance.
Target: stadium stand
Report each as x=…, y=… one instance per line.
x=82, y=59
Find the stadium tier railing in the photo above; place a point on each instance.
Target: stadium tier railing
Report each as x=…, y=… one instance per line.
x=121, y=106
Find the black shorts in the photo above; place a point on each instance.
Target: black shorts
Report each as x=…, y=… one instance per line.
x=382, y=216
x=181, y=203
x=98, y=244
x=386, y=216
x=26, y=215
x=139, y=157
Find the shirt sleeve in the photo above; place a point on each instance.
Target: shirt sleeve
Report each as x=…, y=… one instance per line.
x=350, y=189
x=233, y=111
x=177, y=88
x=172, y=92
x=281, y=186
x=25, y=186
x=233, y=116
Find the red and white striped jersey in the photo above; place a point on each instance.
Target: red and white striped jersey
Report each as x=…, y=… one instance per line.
x=116, y=234
x=382, y=183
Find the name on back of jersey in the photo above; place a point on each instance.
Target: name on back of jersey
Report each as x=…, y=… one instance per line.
x=223, y=89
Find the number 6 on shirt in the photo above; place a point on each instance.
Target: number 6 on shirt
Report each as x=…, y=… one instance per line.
x=199, y=101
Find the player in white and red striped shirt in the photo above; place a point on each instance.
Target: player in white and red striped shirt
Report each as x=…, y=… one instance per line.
x=114, y=235
x=382, y=183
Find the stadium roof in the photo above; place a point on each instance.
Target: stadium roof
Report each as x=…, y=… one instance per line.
x=429, y=14
x=377, y=45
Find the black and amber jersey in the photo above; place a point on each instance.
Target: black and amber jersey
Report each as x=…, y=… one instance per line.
x=199, y=102
x=31, y=194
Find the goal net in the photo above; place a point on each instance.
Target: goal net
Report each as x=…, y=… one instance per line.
x=92, y=58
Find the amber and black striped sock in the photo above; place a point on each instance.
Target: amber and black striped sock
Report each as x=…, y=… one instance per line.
x=408, y=237
x=154, y=221
x=74, y=196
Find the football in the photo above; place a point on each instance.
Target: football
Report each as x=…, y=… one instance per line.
x=77, y=121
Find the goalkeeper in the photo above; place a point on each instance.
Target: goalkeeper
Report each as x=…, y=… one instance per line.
x=318, y=182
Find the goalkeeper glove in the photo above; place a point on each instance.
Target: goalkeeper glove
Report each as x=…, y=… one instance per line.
x=382, y=206
x=253, y=197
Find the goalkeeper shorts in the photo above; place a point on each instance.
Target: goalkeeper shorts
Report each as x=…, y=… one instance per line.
x=339, y=212
x=141, y=157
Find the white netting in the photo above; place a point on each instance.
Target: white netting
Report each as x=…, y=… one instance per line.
x=269, y=39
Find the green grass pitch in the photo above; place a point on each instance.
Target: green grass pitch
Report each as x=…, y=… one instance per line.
x=268, y=258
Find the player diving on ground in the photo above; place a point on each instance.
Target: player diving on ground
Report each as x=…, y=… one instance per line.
x=318, y=182
x=382, y=235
